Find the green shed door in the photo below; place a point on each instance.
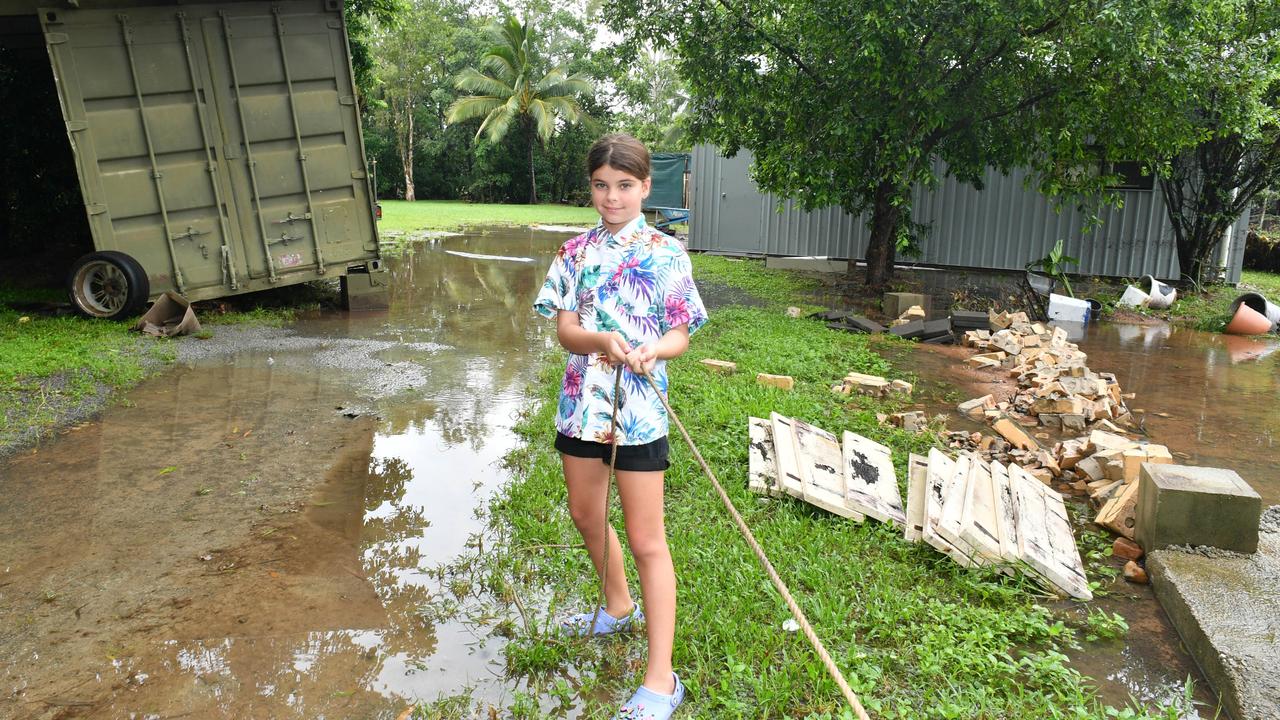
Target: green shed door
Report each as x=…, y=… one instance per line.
x=216, y=143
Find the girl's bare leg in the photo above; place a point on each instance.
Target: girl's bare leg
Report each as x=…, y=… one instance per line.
x=588, y=480
x=641, y=494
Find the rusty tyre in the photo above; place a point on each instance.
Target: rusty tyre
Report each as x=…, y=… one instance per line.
x=108, y=285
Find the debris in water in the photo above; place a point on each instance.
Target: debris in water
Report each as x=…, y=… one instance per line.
x=475, y=256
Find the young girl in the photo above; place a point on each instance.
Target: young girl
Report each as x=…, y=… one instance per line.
x=622, y=294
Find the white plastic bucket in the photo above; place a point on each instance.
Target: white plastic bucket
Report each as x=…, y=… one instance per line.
x=1159, y=295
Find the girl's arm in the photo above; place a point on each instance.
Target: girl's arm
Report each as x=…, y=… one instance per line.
x=577, y=339
x=671, y=345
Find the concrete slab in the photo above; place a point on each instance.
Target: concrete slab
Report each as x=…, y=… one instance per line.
x=808, y=264
x=1226, y=608
x=1185, y=505
x=896, y=303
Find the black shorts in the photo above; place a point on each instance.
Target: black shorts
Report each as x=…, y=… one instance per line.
x=649, y=457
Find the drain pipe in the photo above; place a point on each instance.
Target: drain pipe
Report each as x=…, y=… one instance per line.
x=1228, y=237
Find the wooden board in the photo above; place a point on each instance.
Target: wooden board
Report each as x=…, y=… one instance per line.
x=1045, y=540
x=953, y=499
x=790, y=476
x=872, y=484
x=1006, y=516
x=978, y=521
x=917, y=482
x=941, y=469
x=818, y=453
x=762, y=470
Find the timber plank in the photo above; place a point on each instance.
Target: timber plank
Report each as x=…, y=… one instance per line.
x=917, y=482
x=762, y=469
x=790, y=476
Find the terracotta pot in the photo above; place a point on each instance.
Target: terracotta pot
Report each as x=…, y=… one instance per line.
x=1260, y=305
x=1248, y=321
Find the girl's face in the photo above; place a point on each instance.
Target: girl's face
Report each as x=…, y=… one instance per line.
x=617, y=196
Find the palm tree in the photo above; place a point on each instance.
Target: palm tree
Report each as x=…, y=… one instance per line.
x=507, y=89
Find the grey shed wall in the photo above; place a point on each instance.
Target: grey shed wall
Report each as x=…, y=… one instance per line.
x=1004, y=226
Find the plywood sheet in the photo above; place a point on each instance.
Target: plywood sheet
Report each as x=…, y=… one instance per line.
x=819, y=457
x=1045, y=540
x=871, y=480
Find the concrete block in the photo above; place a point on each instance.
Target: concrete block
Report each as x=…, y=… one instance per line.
x=1184, y=505
x=1225, y=607
x=896, y=303
x=807, y=264
x=908, y=331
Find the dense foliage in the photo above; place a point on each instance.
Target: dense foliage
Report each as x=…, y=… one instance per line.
x=432, y=45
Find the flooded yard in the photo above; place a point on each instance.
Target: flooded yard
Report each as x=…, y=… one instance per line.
x=1213, y=400
x=264, y=530
x=257, y=532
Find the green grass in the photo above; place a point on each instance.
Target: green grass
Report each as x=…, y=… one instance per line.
x=916, y=635
x=776, y=286
x=408, y=217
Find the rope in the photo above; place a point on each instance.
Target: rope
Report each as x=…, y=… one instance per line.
x=608, y=488
x=796, y=612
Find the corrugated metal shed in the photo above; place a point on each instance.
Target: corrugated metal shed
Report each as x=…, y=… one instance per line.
x=1003, y=226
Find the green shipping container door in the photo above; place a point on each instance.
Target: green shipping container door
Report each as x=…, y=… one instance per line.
x=217, y=145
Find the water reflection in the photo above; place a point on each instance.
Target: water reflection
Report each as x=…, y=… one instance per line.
x=1213, y=398
x=286, y=562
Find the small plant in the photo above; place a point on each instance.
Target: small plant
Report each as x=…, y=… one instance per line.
x=1102, y=625
x=1055, y=265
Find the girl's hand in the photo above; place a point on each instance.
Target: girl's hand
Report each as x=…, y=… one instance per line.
x=642, y=359
x=615, y=347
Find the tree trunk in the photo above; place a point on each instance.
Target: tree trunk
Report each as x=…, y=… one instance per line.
x=882, y=245
x=533, y=179
x=406, y=153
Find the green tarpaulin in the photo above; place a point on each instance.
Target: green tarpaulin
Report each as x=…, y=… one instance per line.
x=668, y=180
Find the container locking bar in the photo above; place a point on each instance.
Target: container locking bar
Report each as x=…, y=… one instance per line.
x=248, y=150
x=297, y=134
x=127, y=31
x=228, y=263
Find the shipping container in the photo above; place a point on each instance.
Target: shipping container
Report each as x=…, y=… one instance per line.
x=218, y=147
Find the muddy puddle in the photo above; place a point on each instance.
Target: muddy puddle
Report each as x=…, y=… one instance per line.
x=1213, y=400
x=259, y=532
x=263, y=531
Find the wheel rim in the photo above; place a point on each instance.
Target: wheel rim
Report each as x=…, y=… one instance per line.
x=101, y=289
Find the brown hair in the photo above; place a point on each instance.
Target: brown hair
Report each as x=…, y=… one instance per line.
x=619, y=151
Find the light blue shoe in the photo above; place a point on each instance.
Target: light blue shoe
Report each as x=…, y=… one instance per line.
x=649, y=705
x=605, y=624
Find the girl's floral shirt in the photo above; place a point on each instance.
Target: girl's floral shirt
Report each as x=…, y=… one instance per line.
x=638, y=283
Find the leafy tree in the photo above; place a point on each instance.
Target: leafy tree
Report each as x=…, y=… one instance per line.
x=853, y=103
x=511, y=87
x=413, y=61
x=1210, y=125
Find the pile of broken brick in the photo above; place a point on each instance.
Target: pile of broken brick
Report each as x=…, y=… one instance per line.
x=1058, y=391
